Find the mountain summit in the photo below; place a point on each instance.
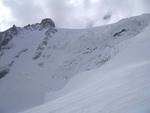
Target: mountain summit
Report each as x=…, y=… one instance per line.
x=102, y=69
x=47, y=22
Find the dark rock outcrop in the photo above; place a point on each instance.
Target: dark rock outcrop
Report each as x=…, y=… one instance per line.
x=6, y=36
x=3, y=72
x=47, y=22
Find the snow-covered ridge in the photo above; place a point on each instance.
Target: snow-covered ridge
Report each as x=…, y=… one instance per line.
x=41, y=58
x=124, y=88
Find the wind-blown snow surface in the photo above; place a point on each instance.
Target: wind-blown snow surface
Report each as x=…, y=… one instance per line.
x=120, y=86
x=41, y=61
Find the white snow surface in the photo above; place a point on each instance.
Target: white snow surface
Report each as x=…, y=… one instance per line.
x=108, y=66
x=119, y=86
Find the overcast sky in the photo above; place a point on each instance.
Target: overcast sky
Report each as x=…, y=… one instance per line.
x=69, y=13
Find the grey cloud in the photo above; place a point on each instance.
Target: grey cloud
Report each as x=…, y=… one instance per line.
x=146, y=5
x=24, y=11
x=86, y=14
x=60, y=11
x=107, y=16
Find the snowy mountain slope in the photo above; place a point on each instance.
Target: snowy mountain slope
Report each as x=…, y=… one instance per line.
x=39, y=59
x=124, y=88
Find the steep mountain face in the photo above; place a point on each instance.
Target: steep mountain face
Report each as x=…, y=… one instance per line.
x=39, y=58
x=119, y=86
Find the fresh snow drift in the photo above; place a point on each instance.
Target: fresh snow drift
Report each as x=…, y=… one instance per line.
x=38, y=60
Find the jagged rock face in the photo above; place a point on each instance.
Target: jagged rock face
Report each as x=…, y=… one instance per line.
x=6, y=36
x=14, y=30
x=47, y=22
